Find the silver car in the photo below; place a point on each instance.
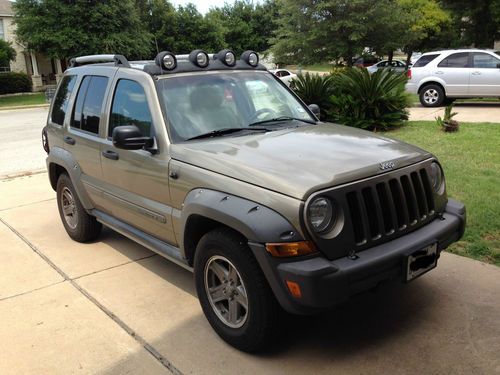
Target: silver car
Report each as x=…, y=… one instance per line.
x=395, y=65
x=441, y=77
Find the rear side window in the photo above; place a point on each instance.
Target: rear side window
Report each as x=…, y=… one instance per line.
x=457, y=60
x=87, y=111
x=485, y=61
x=424, y=60
x=62, y=98
x=130, y=107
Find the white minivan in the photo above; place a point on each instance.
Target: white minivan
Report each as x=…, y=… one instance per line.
x=440, y=77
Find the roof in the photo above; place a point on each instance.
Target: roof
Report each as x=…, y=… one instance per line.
x=460, y=50
x=6, y=8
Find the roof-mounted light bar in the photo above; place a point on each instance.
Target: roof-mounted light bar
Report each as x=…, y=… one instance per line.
x=199, y=58
x=227, y=57
x=251, y=58
x=166, y=60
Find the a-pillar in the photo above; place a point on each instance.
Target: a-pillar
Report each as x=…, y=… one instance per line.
x=36, y=78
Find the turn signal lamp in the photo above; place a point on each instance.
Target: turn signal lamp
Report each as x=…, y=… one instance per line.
x=291, y=249
x=294, y=288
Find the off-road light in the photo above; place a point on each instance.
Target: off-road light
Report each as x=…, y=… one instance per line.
x=437, y=178
x=227, y=57
x=166, y=60
x=320, y=214
x=251, y=58
x=199, y=58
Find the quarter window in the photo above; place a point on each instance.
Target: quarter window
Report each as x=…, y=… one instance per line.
x=62, y=98
x=485, y=61
x=88, y=107
x=457, y=60
x=424, y=60
x=130, y=107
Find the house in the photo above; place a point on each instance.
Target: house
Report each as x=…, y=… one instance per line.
x=43, y=71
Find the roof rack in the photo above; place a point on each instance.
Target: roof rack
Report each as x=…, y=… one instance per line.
x=119, y=60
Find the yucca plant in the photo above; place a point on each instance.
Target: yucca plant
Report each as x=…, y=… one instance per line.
x=447, y=123
x=369, y=101
x=314, y=89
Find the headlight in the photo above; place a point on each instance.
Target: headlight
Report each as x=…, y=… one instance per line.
x=437, y=179
x=320, y=214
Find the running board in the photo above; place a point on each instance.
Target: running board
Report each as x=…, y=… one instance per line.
x=164, y=249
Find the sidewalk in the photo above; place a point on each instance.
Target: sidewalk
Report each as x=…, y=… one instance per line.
x=114, y=307
x=467, y=112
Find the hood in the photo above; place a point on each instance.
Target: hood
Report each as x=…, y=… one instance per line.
x=299, y=161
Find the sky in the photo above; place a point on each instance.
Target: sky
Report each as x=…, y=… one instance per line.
x=204, y=5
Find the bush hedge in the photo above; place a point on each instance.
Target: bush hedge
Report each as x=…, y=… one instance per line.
x=11, y=83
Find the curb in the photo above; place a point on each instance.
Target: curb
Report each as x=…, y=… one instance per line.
x=24, y=107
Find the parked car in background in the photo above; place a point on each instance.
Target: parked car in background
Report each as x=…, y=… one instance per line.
x=366, y=61
x=443, y=76
x=396, y=65
x=285, y=75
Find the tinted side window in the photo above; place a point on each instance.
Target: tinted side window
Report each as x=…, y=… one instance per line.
x=424, y=60
x=457, y=60
x=485, y=61
x=87, y=113
x=130, y=107
x=62, y=98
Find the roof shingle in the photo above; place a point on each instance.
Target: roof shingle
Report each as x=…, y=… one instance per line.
x=6, y=8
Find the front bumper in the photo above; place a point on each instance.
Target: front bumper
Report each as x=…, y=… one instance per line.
x=325, y=283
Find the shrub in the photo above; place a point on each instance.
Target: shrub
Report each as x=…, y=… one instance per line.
x=369, y=101
x=314, y=89
x=11, y=83
x=7, y=53
x=447, y=123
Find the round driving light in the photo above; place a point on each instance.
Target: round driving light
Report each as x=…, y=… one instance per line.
x=199, y=57
x=169, y=62
x=227, y=57
x=320, y=214
x=251, y=58
x=436, y=176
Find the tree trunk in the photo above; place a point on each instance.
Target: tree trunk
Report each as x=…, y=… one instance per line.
x=408, y=58
x=390, y=55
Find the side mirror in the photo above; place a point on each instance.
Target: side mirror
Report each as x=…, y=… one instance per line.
x=129, y=137
x=315, y=109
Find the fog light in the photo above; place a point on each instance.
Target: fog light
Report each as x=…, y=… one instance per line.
x=199, y=58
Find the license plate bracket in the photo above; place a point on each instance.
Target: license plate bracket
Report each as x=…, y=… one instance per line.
x=421, y=261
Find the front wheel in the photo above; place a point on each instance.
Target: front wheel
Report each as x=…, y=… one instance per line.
x=233, y=292
x=432, y=96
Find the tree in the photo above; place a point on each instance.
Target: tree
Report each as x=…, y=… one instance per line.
x=246, y=25
x=7, y=53
x=478, y=22
x=67, y=28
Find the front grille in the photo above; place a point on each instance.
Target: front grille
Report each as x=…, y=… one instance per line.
x=390, y=206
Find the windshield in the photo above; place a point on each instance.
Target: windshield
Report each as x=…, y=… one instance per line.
x=197, y=104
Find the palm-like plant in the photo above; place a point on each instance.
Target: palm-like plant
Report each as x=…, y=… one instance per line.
x=314, y=89
x=369, y=101
x=447, y=123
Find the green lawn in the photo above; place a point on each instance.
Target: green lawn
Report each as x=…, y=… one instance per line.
x=27, y=99
x=471, y=161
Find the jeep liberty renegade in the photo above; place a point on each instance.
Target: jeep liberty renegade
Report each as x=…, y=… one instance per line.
x=212, y=162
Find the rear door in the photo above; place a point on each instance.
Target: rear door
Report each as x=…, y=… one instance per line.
x=485, y=75
x=83, y=135
x=135, y=182
x=455, y=71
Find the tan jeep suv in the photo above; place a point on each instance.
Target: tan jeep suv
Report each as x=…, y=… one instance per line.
x=212, y=162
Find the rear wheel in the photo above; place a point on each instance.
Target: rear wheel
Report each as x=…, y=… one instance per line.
x=432, y=96
x=233, y=292
x=79, y=225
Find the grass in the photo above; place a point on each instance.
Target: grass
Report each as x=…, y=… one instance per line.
x=471, y=162
x=20, y=100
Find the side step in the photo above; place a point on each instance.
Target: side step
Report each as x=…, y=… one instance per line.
x=164, y=249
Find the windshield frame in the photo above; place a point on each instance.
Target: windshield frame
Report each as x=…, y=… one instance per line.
x=158, y=88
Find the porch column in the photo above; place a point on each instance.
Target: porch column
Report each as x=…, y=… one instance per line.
x=36, y=78
x=59, y=72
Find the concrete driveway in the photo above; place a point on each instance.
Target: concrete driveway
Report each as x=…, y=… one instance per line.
x=467, y=112
x=21, y=141
x=114, y=307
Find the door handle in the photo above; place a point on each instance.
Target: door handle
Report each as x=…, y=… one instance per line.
x=476, y=73
x=69, y=140
x=110, y=155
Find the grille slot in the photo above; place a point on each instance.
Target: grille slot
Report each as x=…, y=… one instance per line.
x=391, y=206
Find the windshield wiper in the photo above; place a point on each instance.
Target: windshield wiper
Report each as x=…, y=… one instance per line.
x=282, y=118
x=221, y=132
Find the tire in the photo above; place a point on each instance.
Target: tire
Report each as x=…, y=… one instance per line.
x=79, y=225
x=449, y=101
x=258, y=325
x=432, y=96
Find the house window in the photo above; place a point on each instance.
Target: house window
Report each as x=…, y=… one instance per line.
x=2, y=32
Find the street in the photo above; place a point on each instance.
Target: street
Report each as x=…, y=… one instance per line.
x=20, y=144
x=114, y=307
